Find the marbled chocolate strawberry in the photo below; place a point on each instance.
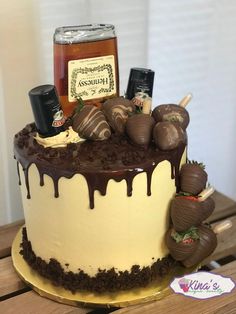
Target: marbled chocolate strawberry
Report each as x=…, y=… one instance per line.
x=171, y=113
x=193, y=178
x=168, y=135
x=117, y=111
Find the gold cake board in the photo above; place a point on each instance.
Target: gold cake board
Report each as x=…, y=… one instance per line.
x=154, y=291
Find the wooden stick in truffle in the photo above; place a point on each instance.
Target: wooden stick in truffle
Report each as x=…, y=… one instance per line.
x=205, y=194
x=222, y=226
x=185, y=101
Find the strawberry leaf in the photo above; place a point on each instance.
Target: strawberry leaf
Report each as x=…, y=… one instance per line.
x=194, y=162
x=80, y=105
x=191, y=233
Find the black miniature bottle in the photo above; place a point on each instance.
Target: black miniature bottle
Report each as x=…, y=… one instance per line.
x=48, y=115
x=140, y=81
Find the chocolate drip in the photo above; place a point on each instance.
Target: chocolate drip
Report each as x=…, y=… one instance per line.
x=172, y=172
x=149, y=173
x=26, y=172
x=56, y=189
x=129, y=181
x=41, y=178
x=98, y=162
x=96, y=182
x=18, y=172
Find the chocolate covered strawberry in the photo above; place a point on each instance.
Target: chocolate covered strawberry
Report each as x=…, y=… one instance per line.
x=187, y=211
x=139, y=128
x=193, y=177
x=117, y=111
x=90, y=123
x=182, y=244
x=206, y=245
x=208, y=207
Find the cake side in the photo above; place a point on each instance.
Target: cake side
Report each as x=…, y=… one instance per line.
x=122, y=230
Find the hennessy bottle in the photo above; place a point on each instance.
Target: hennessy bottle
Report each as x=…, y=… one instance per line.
x=85, y=64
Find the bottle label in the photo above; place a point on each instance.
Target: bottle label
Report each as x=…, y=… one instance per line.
x=91, y=78
x=58, y=119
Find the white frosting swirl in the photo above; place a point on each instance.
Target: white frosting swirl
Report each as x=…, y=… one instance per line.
x=60, y=140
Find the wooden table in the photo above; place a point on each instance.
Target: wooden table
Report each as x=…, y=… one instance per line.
x=16, y=297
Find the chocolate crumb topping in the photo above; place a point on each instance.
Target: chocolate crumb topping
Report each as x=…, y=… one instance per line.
x=104, y=281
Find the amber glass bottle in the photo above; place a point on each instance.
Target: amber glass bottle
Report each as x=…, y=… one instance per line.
x=85, y=64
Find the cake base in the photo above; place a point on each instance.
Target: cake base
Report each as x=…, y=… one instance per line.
x=154, y=291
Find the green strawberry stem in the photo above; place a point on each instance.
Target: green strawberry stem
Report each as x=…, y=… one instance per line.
x=181, y=193
x=80, y=105
x=191, y=233
x=194, y=162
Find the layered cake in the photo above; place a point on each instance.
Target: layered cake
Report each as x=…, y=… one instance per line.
x=100, y=197
x=99, y=188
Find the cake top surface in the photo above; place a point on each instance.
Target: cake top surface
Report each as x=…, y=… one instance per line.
x=114, y=154
x=115, y=158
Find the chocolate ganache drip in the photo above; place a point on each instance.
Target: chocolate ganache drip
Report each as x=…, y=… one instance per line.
x=116, y=158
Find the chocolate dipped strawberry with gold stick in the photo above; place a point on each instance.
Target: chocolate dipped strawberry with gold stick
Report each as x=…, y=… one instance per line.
x=173, y=112
x=193, y=177
x=208, y=242
x=187, y=210
x=203, y=240
x=208, y=203
x=182, y=244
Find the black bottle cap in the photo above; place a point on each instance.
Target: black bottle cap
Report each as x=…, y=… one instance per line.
x=48, y=115
x=140, y=80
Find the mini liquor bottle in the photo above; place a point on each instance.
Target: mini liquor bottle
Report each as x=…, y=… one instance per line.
x=48, y=115
x=140, y=81
x=85, y=64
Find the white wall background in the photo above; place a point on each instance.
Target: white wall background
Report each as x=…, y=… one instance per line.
x=191, y=45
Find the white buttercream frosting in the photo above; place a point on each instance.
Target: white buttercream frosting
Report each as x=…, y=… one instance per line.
x=60, y=140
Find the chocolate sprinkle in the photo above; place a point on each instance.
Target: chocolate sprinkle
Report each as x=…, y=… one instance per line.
x=104, y=281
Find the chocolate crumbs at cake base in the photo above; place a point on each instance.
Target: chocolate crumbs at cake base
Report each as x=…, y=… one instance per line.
x=103, y=281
